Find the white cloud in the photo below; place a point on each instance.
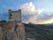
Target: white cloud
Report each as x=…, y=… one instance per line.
x=30, y=10
x=31, y=14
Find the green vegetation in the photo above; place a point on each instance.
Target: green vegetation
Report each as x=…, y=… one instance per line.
x=2, y=22
x=39, y=32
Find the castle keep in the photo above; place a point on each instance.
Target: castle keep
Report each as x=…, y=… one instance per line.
x=15, y=18
x=14, y=29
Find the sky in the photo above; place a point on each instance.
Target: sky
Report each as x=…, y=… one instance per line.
x=33, y=11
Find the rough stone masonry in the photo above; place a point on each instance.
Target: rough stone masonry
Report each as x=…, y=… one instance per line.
x=14, y=30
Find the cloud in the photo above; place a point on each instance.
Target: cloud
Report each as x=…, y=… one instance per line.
x=48, y=21
x=30, y=8
x=33, y=15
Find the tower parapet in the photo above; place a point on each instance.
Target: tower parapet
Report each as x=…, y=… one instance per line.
x=15, y=15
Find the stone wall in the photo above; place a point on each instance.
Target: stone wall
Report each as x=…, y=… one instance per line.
x=14, y=29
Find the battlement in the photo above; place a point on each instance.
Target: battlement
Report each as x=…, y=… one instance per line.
x=15, y=15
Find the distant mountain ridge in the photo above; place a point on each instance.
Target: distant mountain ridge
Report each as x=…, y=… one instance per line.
x=40, y=26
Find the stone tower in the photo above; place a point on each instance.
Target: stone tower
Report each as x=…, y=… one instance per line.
x=15, y=15
x=15, y=18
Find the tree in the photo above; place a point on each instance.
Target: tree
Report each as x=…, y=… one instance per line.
x=2, y=22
